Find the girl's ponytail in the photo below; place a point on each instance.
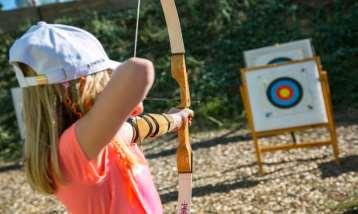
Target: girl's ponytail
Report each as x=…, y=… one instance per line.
x=42, y=133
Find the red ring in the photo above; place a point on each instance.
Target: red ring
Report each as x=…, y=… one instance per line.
x=287, y=88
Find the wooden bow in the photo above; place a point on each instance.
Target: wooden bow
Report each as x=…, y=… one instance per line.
x=179, y=73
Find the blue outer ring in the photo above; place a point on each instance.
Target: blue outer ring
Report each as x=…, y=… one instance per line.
x=277, y=101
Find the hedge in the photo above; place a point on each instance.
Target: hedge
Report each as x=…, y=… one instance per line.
x=215, y=35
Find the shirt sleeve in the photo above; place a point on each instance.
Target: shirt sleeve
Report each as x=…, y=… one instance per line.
x=75, y=165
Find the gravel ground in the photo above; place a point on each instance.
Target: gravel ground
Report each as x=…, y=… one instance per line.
x=225, y=179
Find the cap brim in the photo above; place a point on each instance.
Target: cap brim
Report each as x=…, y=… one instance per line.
x=114, y=64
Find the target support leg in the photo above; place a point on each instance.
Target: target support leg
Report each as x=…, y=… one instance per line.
x=335, y=146
x=251, y=126
x=331, y=124
x=258, y=154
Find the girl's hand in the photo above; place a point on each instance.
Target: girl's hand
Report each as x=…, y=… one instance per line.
x=181, y=115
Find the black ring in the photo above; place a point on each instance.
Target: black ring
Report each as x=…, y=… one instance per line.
x=270, y=98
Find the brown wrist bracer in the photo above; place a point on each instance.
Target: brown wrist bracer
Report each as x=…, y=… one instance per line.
x=150, y=126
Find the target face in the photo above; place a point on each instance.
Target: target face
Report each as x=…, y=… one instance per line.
x=285, y=96
x=279, y=53
x=284, y=92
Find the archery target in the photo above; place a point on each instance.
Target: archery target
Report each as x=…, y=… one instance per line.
x=286, y=96
x=279, y=57
x=284, y=92
x=280, y=60
x=280, y=53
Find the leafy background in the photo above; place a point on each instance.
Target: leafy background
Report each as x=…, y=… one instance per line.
x=215, y=34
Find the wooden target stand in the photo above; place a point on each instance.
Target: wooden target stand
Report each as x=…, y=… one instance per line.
x=257, y=135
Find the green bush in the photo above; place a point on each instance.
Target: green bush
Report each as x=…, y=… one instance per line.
x=215, y=34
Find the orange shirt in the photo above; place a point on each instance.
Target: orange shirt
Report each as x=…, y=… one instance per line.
x=105, y=187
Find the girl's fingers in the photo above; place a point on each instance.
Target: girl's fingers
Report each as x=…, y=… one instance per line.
x=191, y=113
x=185, y=114
x=189, y=116
x=190, y=120
x=188, y=112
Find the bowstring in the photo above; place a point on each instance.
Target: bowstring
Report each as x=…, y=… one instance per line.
x=135, y=55
x=136, y=30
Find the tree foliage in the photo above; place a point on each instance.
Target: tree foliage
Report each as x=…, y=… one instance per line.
x=215, y=35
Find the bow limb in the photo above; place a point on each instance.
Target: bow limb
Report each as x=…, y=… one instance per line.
x=179, y=73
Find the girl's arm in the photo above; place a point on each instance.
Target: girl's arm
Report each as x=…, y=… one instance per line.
x=128, y=86
x=153, y=125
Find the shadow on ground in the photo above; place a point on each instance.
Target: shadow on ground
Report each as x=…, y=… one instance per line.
x=353, y=210
x=208, y=189
x=222, y=140
x=347, y=164
x=7, y=168
x=227, y=186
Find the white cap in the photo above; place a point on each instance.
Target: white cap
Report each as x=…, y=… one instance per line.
x=58, y=53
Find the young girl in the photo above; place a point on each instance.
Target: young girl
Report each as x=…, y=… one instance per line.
x=79, y=146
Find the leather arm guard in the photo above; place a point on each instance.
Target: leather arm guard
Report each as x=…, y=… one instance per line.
x=150, y=126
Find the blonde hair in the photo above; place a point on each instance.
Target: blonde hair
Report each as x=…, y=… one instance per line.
x=48, y=111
